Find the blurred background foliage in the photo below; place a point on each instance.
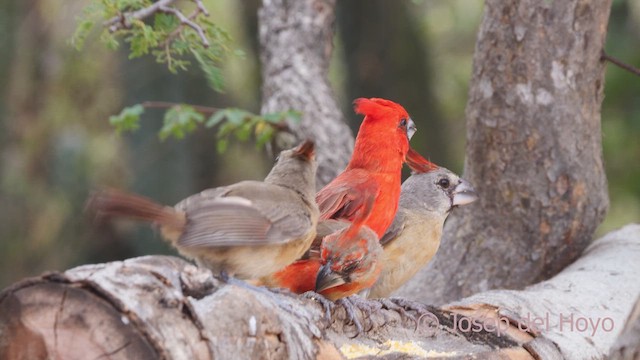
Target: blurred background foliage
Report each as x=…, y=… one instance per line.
x=56, y=143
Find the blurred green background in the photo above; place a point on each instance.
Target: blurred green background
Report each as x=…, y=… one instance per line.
x=56, y=144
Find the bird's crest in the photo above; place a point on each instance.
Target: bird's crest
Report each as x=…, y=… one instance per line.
x=377, y=108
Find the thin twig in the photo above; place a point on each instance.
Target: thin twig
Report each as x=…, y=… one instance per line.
x=206, y=110
x=201, y=7
x=620, y=64
x=123, y=21
x=178, y=29
x=186, y=21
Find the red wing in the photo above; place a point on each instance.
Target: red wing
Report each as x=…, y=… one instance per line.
x=343, y=197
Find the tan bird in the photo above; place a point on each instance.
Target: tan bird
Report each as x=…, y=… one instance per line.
x=414, y=236
x=248, y=229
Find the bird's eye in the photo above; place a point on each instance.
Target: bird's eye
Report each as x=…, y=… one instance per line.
x=444, y=183
x=403, y=122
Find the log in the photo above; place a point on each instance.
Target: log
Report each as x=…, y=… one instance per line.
x=159, y=307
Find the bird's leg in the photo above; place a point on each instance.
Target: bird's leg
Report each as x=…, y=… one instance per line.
x=351, y=303
x=326, y=304
x=390, y=305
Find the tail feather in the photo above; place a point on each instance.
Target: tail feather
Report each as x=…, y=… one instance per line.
x=113, y=203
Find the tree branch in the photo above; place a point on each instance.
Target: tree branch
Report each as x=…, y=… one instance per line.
x=635, y=71
x=186, y=21
x=123, y=21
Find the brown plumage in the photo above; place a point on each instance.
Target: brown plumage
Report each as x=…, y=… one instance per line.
x=414, y=236
x=248, y=229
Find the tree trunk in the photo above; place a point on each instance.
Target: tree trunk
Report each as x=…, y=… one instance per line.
x=533, y=150
x=295, y=49
x=159, y=307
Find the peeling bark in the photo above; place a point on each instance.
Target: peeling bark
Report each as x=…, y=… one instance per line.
x=295, y=49
x=159, y=307
x=533, y=150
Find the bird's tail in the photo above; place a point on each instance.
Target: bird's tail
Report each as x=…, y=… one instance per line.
x=113, y=203
x=417, y=163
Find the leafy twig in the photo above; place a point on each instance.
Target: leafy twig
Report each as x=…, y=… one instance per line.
x=186, y=21
x=206, y=110
x=122, y=21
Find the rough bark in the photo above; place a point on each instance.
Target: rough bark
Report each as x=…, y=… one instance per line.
x=295, y=49
x=159, y=307
x=533, y=150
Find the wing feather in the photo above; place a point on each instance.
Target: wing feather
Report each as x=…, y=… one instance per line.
x=341, y=198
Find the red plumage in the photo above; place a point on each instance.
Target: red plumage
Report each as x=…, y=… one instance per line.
x=374, y=172
x=380, y=150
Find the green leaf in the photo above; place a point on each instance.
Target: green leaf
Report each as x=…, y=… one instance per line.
x=143, y=38
x=179, y=121
x=109, y=40
x=293, y=115
x=279, y=117
x=165, y=22
x=265, y=135
x=273, y=118
x=226, y=129
x=128, y=119
x=211, y=70
x=82, y=31
x=244, y=131
x=222, y=145
x=237, y=116
x=216, y=118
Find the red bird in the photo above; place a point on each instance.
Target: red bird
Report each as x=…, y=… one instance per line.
x=380, y=150
x=374, y=172
x=343, y=259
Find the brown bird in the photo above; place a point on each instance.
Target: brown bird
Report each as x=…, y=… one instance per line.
x=414, y=236
x=248, y=229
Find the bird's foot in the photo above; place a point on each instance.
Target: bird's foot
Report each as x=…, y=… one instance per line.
x=327, y=305
x=402, y=306
x=366, y=307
